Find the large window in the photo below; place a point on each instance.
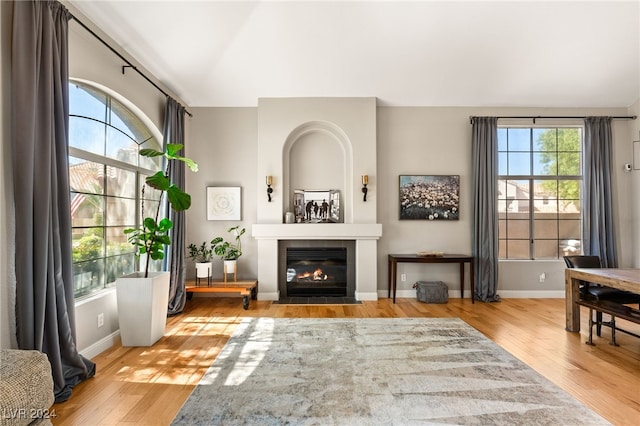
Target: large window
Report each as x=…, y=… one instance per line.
x=539, y=199
x=106, y=174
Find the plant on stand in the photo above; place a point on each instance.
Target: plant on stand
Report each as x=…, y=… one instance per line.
x=229, y=252
x=143, y=297
x=202, y=256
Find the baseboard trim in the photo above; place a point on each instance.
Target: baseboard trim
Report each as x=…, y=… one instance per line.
x=506, y=294
x=101, y=345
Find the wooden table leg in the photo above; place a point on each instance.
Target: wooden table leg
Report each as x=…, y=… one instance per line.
x=461, y=280
x=572, y=295
x=389, y=277
x=472, y=281
x=394, y=280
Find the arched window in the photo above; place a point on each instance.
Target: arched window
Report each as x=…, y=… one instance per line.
x=106, y=176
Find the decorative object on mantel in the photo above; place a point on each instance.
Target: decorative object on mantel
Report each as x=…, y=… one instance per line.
x=317, y=206
x=229, y=252
x=269, y=188
x=429, y=197
x=223, y=203
x=365, y=181
x=289, y=217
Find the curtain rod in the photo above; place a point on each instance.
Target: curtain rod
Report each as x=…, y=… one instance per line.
x=129, y=64
x=625, y=117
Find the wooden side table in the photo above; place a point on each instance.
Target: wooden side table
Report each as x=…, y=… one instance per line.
x=394, y=259
x=246, y=288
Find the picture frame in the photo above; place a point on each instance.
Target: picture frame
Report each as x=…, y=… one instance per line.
x=429, y=197
x=224, y=203
x=636, y=155
x=317, y=206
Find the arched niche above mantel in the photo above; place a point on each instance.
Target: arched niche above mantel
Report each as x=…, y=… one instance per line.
x=318, y=155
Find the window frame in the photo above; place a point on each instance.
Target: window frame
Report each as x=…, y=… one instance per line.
x=140, y=171
x=532, y=179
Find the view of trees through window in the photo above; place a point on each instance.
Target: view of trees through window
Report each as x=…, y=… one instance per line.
x=539, y=198
x=105, y=174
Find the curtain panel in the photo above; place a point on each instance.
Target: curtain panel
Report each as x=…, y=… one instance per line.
x=174, y=133
x=484, y=142
x=45, y=310
x=598, y=227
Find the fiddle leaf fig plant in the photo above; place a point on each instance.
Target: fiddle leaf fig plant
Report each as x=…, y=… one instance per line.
x=153, y=236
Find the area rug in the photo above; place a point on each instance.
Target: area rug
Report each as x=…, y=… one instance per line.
x=363, y=371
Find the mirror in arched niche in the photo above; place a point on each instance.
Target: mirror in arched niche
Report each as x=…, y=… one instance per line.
x=317, y=156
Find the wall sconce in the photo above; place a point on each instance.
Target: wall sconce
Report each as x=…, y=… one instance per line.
x=365, y=181
x=269, y=189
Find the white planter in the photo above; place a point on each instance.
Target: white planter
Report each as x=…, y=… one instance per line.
x=203, y=269
x=230, y=266
x=142, y=307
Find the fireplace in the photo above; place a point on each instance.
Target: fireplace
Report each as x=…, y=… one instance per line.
x=320, y=271
x=317, y=269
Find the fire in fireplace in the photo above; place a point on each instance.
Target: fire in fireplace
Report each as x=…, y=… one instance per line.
x=316, y=271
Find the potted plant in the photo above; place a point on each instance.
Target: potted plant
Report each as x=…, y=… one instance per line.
x=143, y=296
x=227, y=251
x=202, y=256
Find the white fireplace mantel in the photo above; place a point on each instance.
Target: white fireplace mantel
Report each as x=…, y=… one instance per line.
x=317, y=231
x=365, y=235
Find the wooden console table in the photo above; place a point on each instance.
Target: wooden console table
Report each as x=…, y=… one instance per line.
x=394, y=259
x=246, y=288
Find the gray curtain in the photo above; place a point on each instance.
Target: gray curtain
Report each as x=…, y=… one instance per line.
x=485, y=228
x=45, y=317
x=599, y=236
x=174, y=133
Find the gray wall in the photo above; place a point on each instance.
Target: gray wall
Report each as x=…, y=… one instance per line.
x=411, y=140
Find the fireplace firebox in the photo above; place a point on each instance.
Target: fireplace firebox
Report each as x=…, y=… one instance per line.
x=317, y=271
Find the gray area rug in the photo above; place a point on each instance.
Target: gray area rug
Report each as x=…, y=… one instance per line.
x=383, y=371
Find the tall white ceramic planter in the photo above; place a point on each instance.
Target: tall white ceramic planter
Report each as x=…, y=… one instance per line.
x=142, y=307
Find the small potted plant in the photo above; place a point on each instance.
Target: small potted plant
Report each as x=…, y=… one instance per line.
x=202, y=256
x=227, y=251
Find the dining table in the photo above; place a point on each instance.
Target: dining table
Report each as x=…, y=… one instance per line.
x=621, y=278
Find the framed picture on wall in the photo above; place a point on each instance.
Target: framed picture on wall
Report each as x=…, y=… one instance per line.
x=429, y=197
x=223, y=203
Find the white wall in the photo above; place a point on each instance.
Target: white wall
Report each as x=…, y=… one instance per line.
x=410, y=140
x=634, y=135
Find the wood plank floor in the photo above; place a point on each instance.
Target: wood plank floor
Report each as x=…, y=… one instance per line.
x=147, y=386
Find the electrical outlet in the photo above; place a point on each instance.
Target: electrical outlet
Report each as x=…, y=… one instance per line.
x=100, y=320
x=403, y=277
x=543, y=276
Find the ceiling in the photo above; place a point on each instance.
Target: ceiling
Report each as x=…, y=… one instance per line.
x=412, y=53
